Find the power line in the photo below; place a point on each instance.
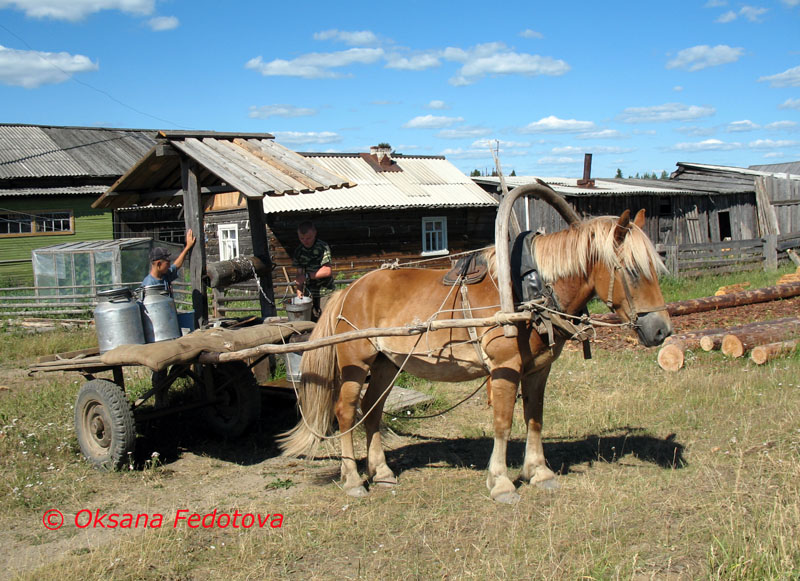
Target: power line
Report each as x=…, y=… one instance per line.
x=71, y=77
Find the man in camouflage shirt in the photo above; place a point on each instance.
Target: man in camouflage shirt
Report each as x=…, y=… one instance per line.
x=314, y=273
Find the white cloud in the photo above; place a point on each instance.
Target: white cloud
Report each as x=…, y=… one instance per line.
x=716, y=3
x=74, y=10
x=298, y=137
x=266, y=111
x=572, y=150
x=677, y=88
x=751, y=13
x=351, y=38
x=729, y=16
x=707, y=145
x=463, y=133
x=703, y=56
x=788, y=78
x=791, y=3
x=31, y=69
x=161, y=23
x=771, y=144
x=436, y=104
x=432, y=122
x=461, y=153
x=554, y=160
x=696, y=131
x=666, y=112
x=528, y=33
x=417, y=62
x=602, y=134
x=492, y=143
x=781, y=126
x=315, y=65
x=790, y=103
x=495, y=58
x=744, y=125
x=553, y=124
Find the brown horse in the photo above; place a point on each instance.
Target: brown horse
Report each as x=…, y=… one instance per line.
x=610, y=257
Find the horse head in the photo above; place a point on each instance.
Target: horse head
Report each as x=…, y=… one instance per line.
x=627, y=281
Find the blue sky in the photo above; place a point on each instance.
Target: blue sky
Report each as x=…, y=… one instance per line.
x=641, y=85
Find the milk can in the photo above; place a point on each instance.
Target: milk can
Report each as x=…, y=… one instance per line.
x=117, y=319
x=159, y=316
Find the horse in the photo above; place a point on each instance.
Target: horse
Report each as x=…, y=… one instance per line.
x=607, y=256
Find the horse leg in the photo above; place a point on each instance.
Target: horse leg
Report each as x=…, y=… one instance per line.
x=504, y=392
x=352, y=379
x=383, y=372
x=534, y=467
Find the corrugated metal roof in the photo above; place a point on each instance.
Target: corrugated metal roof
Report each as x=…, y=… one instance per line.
x=34, y=151
x=424, y=182
x=732, y=170
x=252, y=164
x=93, y=245
x=55, y=191
x=792, y=167
x=569, y=186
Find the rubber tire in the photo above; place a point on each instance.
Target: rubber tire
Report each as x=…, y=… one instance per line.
x=104, y=424
x=242, y=401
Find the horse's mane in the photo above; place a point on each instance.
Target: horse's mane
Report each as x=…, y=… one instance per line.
x=571, y=251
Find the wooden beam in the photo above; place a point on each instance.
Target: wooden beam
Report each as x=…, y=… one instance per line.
x=258, y=236
x=193, y=217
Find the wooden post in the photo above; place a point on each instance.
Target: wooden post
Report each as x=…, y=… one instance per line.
x=193, y=217
x=258, y=235
x=671, y=261
x=771, y=252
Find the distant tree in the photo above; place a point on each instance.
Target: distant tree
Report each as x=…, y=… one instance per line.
x=475, y=173
x=664, y=175
x=618, y=174
x=637, y=175
x=385, y=145
x=513, y=173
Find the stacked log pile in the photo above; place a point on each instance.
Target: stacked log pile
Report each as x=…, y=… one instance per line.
x=765, y=340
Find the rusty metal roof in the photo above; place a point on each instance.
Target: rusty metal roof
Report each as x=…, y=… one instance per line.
x=252, y=164
x=37, y=151
x=422, y=182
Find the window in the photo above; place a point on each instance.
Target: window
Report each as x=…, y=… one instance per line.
x=228, y=235
x=434, y=235
x=38, y=223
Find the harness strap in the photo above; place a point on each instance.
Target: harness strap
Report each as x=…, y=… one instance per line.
x=472, y=331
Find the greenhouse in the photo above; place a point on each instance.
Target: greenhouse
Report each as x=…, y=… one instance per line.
x=84, y=268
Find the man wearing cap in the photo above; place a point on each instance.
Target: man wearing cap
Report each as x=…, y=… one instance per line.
x=161, y=271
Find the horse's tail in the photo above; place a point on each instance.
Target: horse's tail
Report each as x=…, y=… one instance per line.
x=318, y=387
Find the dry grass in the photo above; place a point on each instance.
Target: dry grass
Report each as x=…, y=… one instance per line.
x=692, y=475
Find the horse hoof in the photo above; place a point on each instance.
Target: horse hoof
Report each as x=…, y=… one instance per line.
x=357, y=491
x=549, y=484
x=508, y=498
x=385, y=483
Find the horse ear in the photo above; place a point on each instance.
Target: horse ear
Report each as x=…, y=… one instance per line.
x=639, y=219
x=622, y=226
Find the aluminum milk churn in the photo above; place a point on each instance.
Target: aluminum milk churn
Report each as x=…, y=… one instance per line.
x=159, y=316
x=117, y=319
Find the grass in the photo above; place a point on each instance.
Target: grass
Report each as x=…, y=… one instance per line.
x=692, y=475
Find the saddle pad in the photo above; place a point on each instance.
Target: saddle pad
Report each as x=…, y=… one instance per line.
x=471, y=269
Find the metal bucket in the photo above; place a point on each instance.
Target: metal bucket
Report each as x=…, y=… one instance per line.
x=293, y=361
x=299, y=308
x=117, y=320
x=159, y=316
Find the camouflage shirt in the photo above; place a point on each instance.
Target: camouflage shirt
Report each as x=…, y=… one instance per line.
x=311, y=260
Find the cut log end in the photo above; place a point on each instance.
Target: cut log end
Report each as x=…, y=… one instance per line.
x=671, y=357
x=732, y=346
x=711, y=342
x=763, y=353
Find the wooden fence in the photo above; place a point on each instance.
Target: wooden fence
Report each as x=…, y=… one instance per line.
x=242, y=299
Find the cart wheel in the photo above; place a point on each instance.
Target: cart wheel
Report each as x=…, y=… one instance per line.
x=104, y=424
x=239, y=402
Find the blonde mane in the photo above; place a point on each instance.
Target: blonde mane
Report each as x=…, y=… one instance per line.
x=570, y=252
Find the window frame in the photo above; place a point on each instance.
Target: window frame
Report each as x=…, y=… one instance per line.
x=230, y=227
x=442, y=220
x=35, y=220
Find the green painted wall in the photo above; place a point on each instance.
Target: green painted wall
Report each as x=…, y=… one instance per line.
x=15, y=252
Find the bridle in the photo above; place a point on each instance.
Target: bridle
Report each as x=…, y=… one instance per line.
x=633, y=312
